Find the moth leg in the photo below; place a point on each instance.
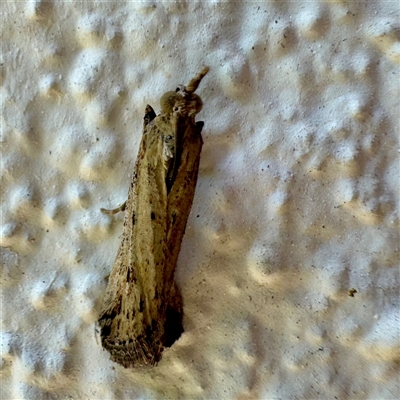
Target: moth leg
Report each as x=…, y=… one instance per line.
x=96, y=331
x=169, y=159
x=122, y=207
x=168, y=148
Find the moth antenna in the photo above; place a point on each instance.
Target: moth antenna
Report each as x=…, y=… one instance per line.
x=195, y=82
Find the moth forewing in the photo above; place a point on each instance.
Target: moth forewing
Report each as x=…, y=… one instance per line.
x=142, y=309
x=182, y=191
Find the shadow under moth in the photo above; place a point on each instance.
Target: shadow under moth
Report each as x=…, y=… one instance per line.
x=142, y=310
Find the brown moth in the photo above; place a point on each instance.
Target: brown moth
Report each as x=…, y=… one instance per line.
x=142, y=309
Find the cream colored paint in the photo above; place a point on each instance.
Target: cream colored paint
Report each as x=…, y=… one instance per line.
x=297, y=200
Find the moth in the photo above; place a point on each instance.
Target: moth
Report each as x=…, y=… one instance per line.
x=142, y=309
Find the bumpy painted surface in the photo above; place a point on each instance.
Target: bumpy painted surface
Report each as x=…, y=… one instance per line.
x=296, y=203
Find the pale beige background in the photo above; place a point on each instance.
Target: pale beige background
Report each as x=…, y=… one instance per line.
x=297, y=200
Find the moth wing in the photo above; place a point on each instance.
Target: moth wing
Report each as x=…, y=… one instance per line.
x=133, y=317
x=181, y=196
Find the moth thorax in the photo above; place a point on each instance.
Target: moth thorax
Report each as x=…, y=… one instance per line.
x=168, y=101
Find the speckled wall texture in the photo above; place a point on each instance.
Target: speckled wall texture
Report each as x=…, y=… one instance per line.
x=289, y=267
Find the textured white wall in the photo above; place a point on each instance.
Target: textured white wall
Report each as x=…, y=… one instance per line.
x=296, y=204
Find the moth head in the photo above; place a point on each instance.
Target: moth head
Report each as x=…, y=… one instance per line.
x=193, y=104
x=184, y=100
x=181, y=101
